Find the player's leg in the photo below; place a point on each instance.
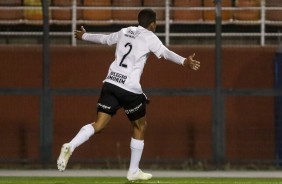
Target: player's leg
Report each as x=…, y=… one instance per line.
x=107, y=107
x=136, y=146
x=135, y=108
x=139, y=128
x=88, y=130
x=82, y=136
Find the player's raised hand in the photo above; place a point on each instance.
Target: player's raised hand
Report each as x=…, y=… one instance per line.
x=78, y=34
x=191, y=63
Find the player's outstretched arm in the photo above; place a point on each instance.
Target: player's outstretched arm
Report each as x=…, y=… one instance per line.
x=78, y=34
x=172, y=56
x=96, y=38
x=191, y=63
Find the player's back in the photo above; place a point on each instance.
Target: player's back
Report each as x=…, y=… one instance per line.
x=132, y=49
x=132, y=46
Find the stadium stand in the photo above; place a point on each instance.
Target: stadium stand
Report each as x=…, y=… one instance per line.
x=124, y=14
x=226, y=15
x=33, y=14
x=11, y=14
x=187, y=15
x=158, y=4
x=97, y=14
x=64, y=14
x=240, y=17
x=273, y=15
x=251, y=14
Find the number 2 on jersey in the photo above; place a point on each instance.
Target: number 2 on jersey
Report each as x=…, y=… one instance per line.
x=125, y=55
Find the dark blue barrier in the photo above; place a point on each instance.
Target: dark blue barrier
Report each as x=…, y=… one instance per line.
x=278, y=105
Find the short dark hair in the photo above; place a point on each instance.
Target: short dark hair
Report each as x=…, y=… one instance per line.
x=146, y=17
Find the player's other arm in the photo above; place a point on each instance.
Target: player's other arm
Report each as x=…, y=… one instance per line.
x=186, y=62
x=96, y=38
x=156, y=46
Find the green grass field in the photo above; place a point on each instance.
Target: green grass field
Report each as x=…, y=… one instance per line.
x=115, y=180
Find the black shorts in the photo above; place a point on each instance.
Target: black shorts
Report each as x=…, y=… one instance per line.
x=113, y=98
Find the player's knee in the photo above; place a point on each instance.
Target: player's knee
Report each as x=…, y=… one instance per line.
x=140, y=125
x=144, y=126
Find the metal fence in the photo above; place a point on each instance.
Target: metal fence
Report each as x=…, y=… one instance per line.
x=238, y=18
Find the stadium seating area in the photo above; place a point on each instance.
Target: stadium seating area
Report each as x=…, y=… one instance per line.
x=27, y=11
x=257, y=20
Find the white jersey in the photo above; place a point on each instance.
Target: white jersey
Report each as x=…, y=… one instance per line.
x=133, y=44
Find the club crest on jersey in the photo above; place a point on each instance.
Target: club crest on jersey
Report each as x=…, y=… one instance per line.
x=117, y=77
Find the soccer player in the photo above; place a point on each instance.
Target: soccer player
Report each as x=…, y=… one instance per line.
x=122, y=89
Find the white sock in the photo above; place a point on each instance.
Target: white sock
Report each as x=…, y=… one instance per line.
x=136, y=153
x=82, y=136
